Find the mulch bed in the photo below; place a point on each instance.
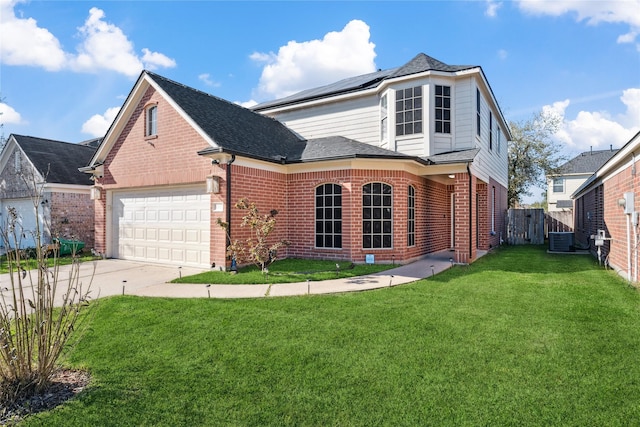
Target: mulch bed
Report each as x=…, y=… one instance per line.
x=65, y=384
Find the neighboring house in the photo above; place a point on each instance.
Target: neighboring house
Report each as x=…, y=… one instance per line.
x=610, y=201
x=569, y=178
x=395, y=165
x=48, y=170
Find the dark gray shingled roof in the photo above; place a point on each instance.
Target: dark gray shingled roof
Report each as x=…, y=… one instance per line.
x=57, y=161
x=419, y=64
x=234, y=128
x=336, y=147
x=462, y=156
x=587, y=162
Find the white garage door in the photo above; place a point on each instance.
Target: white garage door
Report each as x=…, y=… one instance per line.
x=169, y=226
x=25, y=224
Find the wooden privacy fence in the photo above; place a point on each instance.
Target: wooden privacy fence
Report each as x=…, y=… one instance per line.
x=559, y=221
x=525, y=227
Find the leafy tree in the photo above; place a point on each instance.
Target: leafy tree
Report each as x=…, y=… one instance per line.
x=533, y=154
x=255, y=249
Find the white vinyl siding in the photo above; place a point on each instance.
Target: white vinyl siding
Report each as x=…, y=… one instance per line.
x=357, y=119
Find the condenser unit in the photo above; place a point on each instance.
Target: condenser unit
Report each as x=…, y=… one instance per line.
x=561, y=242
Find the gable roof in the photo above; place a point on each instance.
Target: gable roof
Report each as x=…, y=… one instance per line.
x=419, y=64
x=587, y=162
x=629, y=150
x=229, y=125
x=56, y=161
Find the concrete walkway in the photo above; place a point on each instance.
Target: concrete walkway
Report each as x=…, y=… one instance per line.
x=117, y=277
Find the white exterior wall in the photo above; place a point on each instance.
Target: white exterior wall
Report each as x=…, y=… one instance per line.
x=489, y=162
x=357, y=119
x=571, y=184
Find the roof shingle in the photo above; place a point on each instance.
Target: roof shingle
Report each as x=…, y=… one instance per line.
x=57, y=161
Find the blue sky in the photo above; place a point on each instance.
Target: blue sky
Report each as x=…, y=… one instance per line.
x=67, y=66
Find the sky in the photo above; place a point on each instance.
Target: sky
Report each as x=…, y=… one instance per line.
x=66, y=67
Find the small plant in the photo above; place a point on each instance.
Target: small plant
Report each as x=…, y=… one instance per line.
x=39, y=310
x=256, y=249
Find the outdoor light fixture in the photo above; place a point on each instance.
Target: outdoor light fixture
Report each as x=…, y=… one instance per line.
x=95, y=193
x=213, y=184
x=452, y=176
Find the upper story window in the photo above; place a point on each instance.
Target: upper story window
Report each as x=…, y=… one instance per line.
x=377, y=213
x=478, y=116
x=443, y=109
x=558, y=185
x=151, y=120
x=17, y=164
x=490, y=131
x=383, y=118
x=409, y=111
x=329, y=216
x=498, y=138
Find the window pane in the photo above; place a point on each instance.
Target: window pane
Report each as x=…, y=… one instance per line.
x=319, y=241
x=337, y=241
x=337, y=200
x=366, y=213
x=438, y=90
x=439, y=127
x=377, y=227
x=417, y=127
x=337, y=227
x=386, y=241
x=319, y=202
x=386, y=227
x=399, y=130
x=387, y=213
x=366, y=227
x=319, y=213
x=328, y=214
x=377, y=200
x=366, y=200
x=446, y=90
x=318, y=226
x=377, y=213
x=408, y=129
x=377, y=241
x=386, y=201
x=447, y=127
x=366, y=241
x=417, y=91
x=328, y=241
x=337, y=213
x=320, y=190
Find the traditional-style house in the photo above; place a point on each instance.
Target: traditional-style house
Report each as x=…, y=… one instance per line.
x=45, y=172
x=569, y=178
x=389, y=166
x=607, y=211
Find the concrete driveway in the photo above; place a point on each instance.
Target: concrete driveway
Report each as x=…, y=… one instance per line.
x=110, y=277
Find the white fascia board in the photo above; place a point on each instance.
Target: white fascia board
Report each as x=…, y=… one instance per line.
x=67, y=188
x=127, y=110
x=6, y=152
x=181, y=112
x=7, y=155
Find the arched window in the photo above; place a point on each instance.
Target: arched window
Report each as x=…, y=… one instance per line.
x=329, y=216
x=377, y=214
x=411, y=216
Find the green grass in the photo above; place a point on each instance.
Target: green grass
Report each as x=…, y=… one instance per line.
x=31, y=263
x=520, y=337
x=286, y=271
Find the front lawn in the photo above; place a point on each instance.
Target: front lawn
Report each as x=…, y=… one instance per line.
x=520, y=337
x=31, y=263
x=289, y=270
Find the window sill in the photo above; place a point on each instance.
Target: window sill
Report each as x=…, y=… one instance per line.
x=150, y=137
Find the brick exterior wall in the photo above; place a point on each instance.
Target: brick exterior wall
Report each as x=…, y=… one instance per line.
x=72, y=217
x=598, y=209
x=171, y=159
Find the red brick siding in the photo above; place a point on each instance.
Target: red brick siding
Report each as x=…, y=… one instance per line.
x=72, y=217
x=599, y=209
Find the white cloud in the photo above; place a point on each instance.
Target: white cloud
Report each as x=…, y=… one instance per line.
x=503, y=54
x=301, y=65
x=98, y=124
x=247, y=104
x=9, y=116
x=492, y=8
x=24, y=43
x=593, y=12
x=598, y=129
x=155, y=60
x=206, y=79
x=103, y=46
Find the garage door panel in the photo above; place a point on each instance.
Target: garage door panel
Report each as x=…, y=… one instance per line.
x=162, y=225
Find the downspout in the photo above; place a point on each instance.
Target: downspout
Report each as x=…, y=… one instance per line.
x=470, y=213
x=233, y=158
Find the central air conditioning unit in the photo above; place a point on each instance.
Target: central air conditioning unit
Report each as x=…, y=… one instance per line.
x=561, y=242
